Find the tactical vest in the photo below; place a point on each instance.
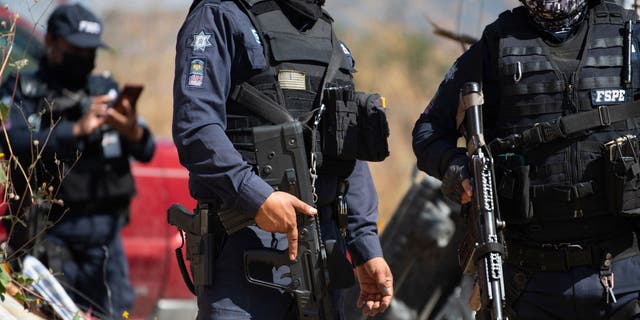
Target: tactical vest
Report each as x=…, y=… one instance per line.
x=563, y=180
x=95, y=178
x=293, y=80
x=297, y=59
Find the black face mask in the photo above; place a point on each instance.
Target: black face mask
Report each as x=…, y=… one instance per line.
x=309, y=9
x=73, y=72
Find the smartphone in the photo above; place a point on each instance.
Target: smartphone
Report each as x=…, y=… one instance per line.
x=131, y=92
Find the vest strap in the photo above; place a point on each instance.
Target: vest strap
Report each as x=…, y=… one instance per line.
x=522, y=51
x=563, y=127
x=607, y=43
x=534, y=88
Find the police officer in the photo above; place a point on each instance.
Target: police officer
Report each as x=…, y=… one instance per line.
x=282, y=49
x=82, y=178
x=545, y=68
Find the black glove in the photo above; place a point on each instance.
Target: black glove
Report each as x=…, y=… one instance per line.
x=457, y=171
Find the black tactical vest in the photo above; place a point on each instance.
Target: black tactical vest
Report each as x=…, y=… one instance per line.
x=297, y=61
x=95, y=178
x=565, y=177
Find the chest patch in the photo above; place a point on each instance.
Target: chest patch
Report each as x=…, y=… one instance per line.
x=608, y=96
x=292, y=80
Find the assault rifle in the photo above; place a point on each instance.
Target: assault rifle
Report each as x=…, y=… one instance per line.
x=281, y=160
x=483, y=249
x=279, y=155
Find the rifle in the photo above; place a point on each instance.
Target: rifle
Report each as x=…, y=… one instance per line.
x=282, y=162
x=483, y=249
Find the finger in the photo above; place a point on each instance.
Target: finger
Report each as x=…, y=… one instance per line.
x=101, y=99
x=386, y=302
x=292, y=236
x=125, y=104
x=369, y=307
x=376, y=305
x=303, y=208
x=98, y=108
x=466, y=185
x=115, y=119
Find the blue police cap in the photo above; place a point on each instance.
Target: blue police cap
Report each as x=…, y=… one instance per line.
x=77, y=25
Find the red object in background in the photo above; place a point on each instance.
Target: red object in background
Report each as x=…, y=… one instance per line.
x=149, y=241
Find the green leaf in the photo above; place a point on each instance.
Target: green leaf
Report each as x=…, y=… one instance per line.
x=22, y=298
x=4, y=111
x=3, y=176
x=5, y=278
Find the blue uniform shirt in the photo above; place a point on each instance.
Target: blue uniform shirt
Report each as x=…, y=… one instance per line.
x=218, y=48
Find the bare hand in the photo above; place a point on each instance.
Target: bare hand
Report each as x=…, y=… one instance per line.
x=465, y=197
x=278, y=214
x=376, y=286
x=92, y=118
x=123, y=118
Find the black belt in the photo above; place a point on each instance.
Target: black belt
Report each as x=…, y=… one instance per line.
x=558, y=257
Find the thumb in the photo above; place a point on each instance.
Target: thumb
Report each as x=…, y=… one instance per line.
x=303, y=207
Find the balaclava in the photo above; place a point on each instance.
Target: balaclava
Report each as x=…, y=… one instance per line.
x=556, y=16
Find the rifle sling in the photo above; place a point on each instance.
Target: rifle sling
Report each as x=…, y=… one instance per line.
x=257, y=102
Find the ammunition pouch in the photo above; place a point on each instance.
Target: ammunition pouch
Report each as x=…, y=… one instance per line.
x=621, y=175
x=513, y=188
x=354, y=126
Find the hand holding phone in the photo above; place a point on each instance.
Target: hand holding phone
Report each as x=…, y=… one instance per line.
x=124, y=119
x=131, y=92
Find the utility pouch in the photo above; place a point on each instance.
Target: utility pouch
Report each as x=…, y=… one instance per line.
x=513, y=188
x=339, y=126
x=354, y=125
x=373, y=127
x=621, y=175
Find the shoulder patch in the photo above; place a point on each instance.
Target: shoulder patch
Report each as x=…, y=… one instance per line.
x=201, y=41
x=451, y=73
x=195, y=78
x=344, y=49
x=256, y=36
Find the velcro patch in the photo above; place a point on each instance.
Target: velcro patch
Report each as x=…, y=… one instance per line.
x=292, y=80
x=196, y=73
x=608, y=96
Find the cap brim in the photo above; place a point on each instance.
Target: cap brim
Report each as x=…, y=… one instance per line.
x=83, y=40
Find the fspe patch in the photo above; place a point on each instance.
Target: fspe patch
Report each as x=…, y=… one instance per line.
x=608, y=96
x=196, y=73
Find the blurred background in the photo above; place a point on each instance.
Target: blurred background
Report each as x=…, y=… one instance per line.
x=396, y=55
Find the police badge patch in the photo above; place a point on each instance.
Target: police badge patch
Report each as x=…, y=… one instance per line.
x=201, y=41
x=608, y=96
x=196, y=73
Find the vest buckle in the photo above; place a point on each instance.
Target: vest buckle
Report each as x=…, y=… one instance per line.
x=605, y=116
